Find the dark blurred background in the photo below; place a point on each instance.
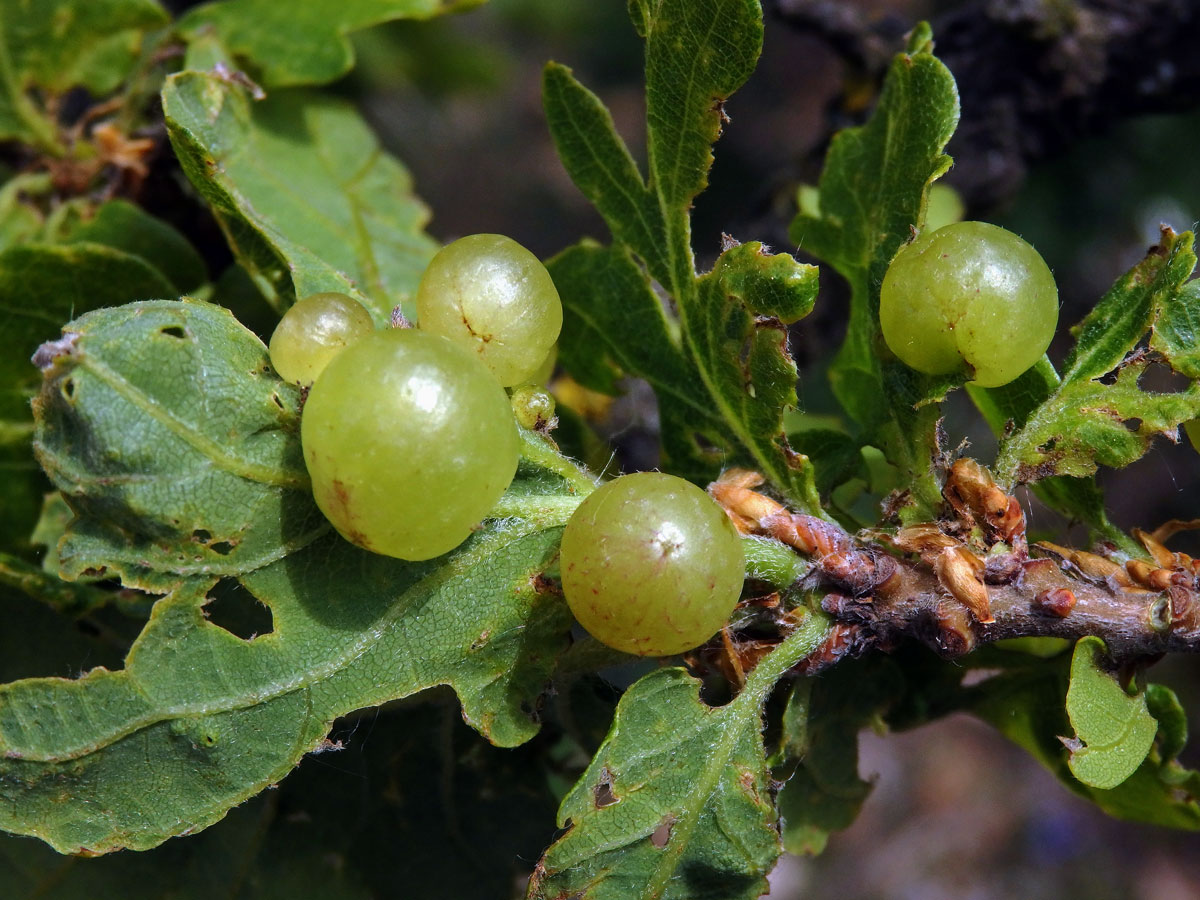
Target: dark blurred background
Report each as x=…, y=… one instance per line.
x=1081, y=120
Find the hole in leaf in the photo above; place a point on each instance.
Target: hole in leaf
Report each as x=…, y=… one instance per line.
x=201, y=535
x=68, y=389
x=1162, y=379
x=91, y=629
x=175, y=331
x=1133, y=425
x=232, y=607
x=603, y=793
x=222, y=547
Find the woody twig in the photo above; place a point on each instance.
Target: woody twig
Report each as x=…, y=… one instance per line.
x=970, y=578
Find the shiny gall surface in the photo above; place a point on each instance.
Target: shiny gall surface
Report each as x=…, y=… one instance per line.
x=651, y=565
x=409, y=442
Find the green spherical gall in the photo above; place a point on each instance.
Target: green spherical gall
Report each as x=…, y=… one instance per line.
x=651, y=565
x=492, y=296
x=314, y=331
x=532, y=405
x=409, y=442
x=969, y=297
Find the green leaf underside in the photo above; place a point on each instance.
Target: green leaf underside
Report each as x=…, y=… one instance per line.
x=1114, y=731
x=1177, y=331
x=288, y=44
x=207, y=719
x=41, y=286
x=176, y=445
x=55, y=45
x=307, y=198
x=725, y=379
x=411, y=777
x=676, y=802
x=1028, y=707
x=873, y=191
x=199, y=715
x=1072, y=426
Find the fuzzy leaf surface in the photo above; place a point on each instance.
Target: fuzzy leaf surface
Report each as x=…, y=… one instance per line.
x=613, y=324
x=698, y=53
x=1113, y=730
x=301, y=43
x=306, y=196
x=602, y=168
x=1124, y=314
x=738, y=335
x=676, y=802
x=199, y=716
x=873, y=191
x=164, y=428
x=1177, y=331
x=336, y=822
x=201, y=719
x=1086, y=421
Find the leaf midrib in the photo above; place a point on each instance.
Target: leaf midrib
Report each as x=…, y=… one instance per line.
x=266, y=693
x=185, y=431
x=743, y=711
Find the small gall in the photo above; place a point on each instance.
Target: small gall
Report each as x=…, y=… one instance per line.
x=1056, y=601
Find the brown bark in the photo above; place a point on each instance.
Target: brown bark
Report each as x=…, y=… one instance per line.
x=970, y=579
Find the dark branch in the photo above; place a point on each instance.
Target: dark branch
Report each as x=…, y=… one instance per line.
x=970, y=579
x=1034, y=76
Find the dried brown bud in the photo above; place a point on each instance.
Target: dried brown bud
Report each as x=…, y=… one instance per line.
x=840, y=643
x=927, y=540
x=741, y=523
x=746, y=478
x=955, y=635
x=970, y=489
x=807, y=534
x=1185, y=610
x=858, y=571
x=974, y=496
x=1141, y=571
x=1091, y=566
x=961, y=573
x=1057, y=601
x=1167, y=530
x=1159, y=553
x=749, y=505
